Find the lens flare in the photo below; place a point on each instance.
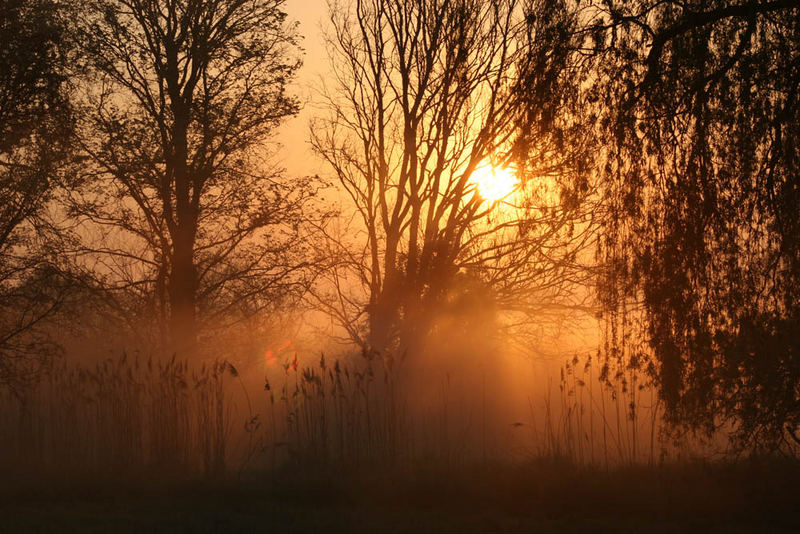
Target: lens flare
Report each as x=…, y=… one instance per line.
x=494, y=183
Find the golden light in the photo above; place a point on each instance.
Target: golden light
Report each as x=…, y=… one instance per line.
x=494, y=183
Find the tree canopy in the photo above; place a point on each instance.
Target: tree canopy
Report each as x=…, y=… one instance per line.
x=184, y=219
x=35, y=129
x=702, y=178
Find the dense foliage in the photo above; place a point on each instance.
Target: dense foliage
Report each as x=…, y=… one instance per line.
x=702, y=177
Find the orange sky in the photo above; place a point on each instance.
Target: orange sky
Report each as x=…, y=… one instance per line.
x=295, y=154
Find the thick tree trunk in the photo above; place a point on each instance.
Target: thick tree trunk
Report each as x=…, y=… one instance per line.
x=183, y=275
x=182, y=294
x=382, y=319
x=392, y=319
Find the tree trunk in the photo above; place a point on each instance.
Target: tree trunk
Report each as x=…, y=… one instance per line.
x=382, y=318
x=183, y=275
x=182, y=288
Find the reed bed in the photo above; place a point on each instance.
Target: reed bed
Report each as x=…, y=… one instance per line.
x=361, y=414
x=121, y=417
x=130, y=417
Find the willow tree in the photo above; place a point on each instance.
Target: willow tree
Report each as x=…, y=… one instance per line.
x=424, y=98
x=704, y=188
x=182, y=217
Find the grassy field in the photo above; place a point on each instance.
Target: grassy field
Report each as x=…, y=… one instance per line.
x=548, y=496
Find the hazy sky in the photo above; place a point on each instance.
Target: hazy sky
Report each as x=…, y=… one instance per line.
x=295, y=154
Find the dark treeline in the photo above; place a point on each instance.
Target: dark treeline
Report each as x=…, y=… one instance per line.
x=654, y=143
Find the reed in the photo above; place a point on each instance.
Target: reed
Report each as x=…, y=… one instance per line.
x=121, y=417
x=134, y=417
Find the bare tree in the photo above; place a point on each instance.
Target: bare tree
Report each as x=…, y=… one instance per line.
x=425, y=96
x=181, y=216
x=35, y=129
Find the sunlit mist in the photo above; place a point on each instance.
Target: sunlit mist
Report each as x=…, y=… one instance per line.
x=383, y=266
x=494, y=183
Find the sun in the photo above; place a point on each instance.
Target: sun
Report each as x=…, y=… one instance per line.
x=494, y=183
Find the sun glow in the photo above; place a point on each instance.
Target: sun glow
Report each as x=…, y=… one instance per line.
x=494, y=183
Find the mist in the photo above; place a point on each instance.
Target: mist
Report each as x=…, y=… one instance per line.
x=386, y=266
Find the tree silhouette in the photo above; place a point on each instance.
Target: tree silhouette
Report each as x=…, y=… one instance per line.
x=35, y=126
x=704, y=188
x=424, y=94
x=181, y=212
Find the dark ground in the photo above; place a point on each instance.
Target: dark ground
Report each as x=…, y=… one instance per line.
x=547, y=497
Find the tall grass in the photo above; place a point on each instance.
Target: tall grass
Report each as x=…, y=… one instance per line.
x=359, y=413
x=132, y=417
x=123, y=417
x=599, y=417
x=342, y=413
